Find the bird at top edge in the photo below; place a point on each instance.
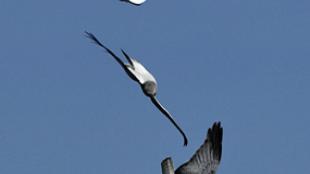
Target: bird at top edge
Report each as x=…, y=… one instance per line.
x=134, y=2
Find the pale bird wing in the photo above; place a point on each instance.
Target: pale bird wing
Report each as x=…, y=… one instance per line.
x=207, y=158
x=141, y=72
x=138, y=76
x=137, y=2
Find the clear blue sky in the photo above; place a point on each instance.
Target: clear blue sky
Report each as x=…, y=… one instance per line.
x=66, y=107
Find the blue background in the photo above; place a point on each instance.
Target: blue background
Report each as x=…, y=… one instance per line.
x=66, y=107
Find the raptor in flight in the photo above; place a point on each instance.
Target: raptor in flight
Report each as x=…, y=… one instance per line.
x=137, y=72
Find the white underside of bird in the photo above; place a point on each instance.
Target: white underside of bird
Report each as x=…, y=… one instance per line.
x=140, y=72
x=135, y=2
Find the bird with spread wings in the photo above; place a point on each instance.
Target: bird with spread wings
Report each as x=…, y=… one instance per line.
x=137, y=72
x=207, y=158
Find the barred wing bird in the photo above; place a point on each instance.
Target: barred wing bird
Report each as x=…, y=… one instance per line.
x=207, y=158
x=134, y=2
x=137, y=72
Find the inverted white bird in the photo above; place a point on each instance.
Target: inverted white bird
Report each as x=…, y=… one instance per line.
x=207, y=158
x=137, y=72
x=134, y=2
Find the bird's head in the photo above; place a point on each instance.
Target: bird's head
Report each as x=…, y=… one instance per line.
x=149, y=88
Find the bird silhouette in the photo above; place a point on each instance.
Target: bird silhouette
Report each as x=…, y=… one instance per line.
x=137, y=72
x=207, y=158
x=134, y=2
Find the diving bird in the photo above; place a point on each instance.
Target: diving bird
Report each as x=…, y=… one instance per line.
x=207, y=158
x=134, y=2
x=137, y=72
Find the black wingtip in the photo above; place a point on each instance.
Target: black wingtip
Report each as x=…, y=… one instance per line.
x=127, y=57
x=215, y=135
x=88, y=34
x=124, y=53
x=93, y=38
x=185, y=142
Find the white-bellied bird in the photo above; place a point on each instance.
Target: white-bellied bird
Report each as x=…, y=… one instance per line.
x=137, y=72
x=134, y=2
x=207, y=158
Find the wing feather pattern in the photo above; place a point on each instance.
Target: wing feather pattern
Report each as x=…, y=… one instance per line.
x=207, y=158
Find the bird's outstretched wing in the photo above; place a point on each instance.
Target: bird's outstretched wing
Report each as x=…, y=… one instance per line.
x=96, y=41
x=136, y=68
x=207, y=158
x=124, y=66
x=167, y=114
